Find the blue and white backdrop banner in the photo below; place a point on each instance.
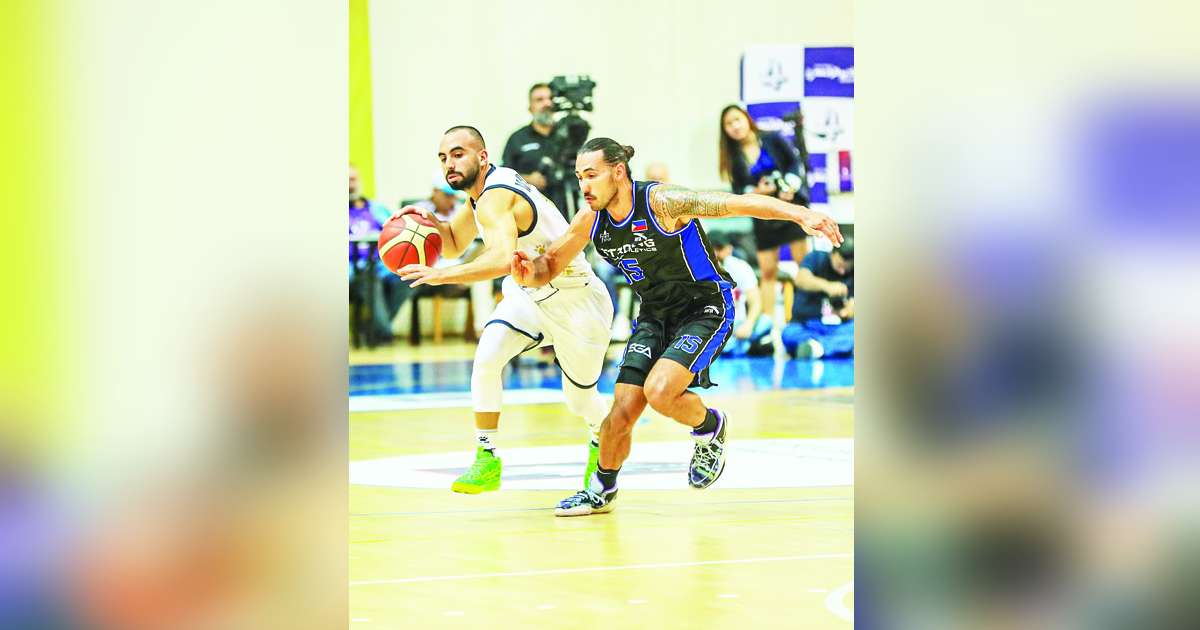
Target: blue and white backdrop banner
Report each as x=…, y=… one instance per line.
x=776, y=80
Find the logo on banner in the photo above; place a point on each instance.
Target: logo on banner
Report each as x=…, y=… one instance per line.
x=772, y=73
x=829, y=127
x=774, y=77
x=829, y=71
x=771, y=117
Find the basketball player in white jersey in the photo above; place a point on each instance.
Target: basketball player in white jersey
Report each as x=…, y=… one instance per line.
x=573, y=313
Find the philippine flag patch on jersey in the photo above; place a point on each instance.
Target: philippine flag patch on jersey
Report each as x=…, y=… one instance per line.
x=639, y=225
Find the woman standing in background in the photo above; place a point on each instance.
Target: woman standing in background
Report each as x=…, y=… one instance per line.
x=757, y=162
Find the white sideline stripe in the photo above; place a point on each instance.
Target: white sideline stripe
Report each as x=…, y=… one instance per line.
x=836, y=601
x=660, y=565
x=448, y=400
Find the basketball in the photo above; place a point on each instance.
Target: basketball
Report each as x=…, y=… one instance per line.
x=409, y=240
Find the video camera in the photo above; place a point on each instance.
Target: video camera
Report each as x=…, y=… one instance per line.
x=569, y=96
x=572, y=92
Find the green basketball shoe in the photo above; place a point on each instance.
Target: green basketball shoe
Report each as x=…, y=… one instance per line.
x=483, y=476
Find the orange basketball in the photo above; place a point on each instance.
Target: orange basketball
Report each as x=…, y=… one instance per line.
x=409, y=240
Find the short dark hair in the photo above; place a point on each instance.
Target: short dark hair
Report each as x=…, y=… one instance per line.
x=538, y=85
x=474, y=133
x=614, y=152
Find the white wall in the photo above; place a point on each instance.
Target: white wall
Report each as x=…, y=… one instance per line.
x=663, y=69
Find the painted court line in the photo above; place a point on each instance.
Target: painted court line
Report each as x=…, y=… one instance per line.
x=629, y=506
x=836, y=601
x=625, y=567
x=446, y=400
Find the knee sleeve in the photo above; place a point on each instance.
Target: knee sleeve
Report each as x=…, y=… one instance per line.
x=497, y=346
x=586, y=403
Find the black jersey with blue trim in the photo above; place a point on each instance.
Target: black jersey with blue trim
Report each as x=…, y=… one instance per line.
x=668, y=270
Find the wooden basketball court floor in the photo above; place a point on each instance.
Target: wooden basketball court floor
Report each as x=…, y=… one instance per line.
x=770, y=545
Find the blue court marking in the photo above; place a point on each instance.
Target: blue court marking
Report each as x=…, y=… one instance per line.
x=744, y=374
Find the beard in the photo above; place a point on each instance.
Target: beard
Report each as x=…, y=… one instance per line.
x=466, y=180
x=544, y=117
x=599, y=203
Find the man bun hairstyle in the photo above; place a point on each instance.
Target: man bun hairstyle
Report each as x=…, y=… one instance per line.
x=614, y=152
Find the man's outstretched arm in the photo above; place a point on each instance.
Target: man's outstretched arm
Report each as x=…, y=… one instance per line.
x=676, y=205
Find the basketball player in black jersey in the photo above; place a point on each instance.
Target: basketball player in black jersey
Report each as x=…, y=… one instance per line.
x=649, y=232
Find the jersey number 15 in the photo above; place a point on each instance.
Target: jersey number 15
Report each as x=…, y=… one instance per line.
x=629, y=267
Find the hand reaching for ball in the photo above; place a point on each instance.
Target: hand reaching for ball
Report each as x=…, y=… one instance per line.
x=417, y=210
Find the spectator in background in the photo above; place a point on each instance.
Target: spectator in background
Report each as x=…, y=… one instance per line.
x=757, y=162
x=813, y=332
x=389, y=291
x=751, y=328
x=442, y=200
x=528, y=149
x=657, y=172
x=364, y=212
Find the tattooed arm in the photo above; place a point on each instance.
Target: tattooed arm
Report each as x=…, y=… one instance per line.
x=674, y=206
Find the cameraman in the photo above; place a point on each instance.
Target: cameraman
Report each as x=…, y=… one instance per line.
x=529, y=149
x=757, y=162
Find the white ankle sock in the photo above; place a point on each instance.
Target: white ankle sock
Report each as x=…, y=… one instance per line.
x=486, y=438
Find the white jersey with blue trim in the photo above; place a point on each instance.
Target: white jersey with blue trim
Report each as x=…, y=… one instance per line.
x=547, y=226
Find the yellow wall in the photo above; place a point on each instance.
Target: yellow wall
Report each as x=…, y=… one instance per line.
x=361, y=136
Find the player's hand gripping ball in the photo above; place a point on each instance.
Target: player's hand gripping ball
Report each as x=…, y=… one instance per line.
x=410, y=239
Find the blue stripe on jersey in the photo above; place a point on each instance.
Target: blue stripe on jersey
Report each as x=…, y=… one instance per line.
x=710, y=349
x=596, y=224
x=631, y=210
x=696, y=255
